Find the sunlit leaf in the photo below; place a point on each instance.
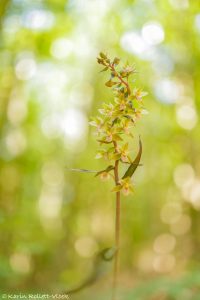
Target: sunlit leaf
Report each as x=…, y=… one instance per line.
x=116, y=156
x=117, y=188
x=102, y=55
x=104, y=142
x=108, y=169
x=116, y=60
x=104, y=69
x=116, y=137
x=110, y=83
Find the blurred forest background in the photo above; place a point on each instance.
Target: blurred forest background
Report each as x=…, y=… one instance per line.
x=52, y=221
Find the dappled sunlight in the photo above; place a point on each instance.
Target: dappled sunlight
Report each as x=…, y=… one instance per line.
x=164, y=263
x=16, y=142
x=21, y=263
x=171, y=212
x=164, y=243
x=186, y=116
x=61, y=48
x=153, y=33
x=74, y=125
x=182, y=225
x=86, y=246
x=38, y=19
x=25, y=68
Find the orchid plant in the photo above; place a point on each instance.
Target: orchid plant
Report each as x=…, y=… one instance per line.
x=114, y=125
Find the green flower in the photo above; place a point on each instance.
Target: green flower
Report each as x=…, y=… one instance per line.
x=125, y=185
x=104, y=176
x=108, y=110
x=105, y=153
x=97, y=122
x=124, y=152
x=110, y=135
x=139, y=94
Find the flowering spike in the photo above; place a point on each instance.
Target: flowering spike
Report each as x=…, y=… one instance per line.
x=118, y=118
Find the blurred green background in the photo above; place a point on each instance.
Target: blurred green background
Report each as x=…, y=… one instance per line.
x=52, y=221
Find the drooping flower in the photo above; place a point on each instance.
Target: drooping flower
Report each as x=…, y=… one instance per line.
x=124, y=152
x=125, y=185
x=139, y=94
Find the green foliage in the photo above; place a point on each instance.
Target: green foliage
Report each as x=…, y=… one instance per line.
x=117, y=120
x=185, y=288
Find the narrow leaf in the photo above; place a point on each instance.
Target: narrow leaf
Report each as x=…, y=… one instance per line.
x=116, y=61
x=108, y=169
x=132, y=168
x=82, y=170
x=110, y=83
x=103, y=142
x=102, y=55
x=116, y=137
x=117, y=188
x=104, y=69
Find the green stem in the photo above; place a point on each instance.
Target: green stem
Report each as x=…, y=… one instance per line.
x=120, y=78
x=117, y=230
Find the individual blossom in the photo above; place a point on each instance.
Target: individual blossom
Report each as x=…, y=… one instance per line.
x=105, y=153
x=139, y=94
x=104, y=176
x=108, y=110
x=110, y=134
x=98, y=123
x=127, y=70
x=126, y=125
x=124, y=153
x=124, y=185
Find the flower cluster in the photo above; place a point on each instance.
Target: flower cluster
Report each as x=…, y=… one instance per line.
x=116, y=119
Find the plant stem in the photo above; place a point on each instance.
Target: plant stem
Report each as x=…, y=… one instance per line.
x=120, y=78
x=117, y=230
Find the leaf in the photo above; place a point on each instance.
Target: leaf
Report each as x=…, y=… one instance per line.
x=110, y=83
x=116, y=156
x=104, y=69
x=116, y=61
x=109, y=253
x=125, y=147
x=117, y=188
x=119, y=85
x=82, y=170
x=108, y=169
x=103, y=142
x=102, y=55
x=116, y=137
x=100, y=60
x=132, y=168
